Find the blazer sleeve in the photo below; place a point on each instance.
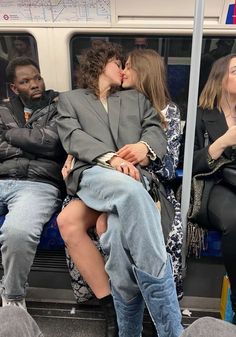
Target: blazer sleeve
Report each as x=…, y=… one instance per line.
x=152, y=132
x=75, y=141
x=200, y=156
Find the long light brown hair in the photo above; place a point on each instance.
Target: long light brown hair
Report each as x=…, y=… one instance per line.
x=211, y=94
x=151, y=78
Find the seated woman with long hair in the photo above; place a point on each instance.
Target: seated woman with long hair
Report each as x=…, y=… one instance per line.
x=215, y=141
x=145, y=71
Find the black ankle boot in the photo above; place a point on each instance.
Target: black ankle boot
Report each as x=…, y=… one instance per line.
x=110, y=316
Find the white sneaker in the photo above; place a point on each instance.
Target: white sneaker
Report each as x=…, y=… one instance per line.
x=21, y=304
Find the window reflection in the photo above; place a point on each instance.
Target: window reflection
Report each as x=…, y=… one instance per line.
x=176, y=51
x=12, y=46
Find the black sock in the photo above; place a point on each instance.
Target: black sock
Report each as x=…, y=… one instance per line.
x=106, y=300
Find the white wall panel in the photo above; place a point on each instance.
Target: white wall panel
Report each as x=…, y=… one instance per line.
x=164, y=11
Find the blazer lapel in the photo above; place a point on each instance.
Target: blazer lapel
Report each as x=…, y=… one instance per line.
x=215, y=123
x=114, y=115
x=97, y=107
x=216, y=126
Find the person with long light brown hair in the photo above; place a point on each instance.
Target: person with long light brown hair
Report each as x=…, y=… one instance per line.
x=146, y=72
x=215, y=142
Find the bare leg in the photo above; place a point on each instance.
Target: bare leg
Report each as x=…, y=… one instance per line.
x=74, y=221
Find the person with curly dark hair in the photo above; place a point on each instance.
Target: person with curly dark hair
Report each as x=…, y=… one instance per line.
x=93, y=125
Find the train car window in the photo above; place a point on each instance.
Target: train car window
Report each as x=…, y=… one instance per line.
x=12, y=46
x=213, y=49
x=176, y=51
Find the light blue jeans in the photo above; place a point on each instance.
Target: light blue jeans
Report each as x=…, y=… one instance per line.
x=134, y=235
x=28, y=206
x=137, y=262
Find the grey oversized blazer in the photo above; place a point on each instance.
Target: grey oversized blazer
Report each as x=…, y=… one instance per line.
x=87, y=131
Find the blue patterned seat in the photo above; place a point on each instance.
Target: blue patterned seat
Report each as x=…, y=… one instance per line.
x=213, y=244
x=50, y=238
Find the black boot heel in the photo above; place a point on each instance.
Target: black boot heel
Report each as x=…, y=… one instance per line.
x=108, y=309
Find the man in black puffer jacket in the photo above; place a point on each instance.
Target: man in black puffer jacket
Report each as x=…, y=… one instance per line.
x=31, y=158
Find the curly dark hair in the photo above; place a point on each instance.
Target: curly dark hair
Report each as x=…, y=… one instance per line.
x=19, y=61
x=93, y=62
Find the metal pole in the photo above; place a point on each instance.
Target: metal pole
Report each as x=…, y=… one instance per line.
x=191, y=116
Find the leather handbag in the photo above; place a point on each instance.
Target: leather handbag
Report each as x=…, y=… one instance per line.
x=158, y=194
x=229, y=174
x=197, y=216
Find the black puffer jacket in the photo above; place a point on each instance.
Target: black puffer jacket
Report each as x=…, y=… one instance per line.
x=32, y=150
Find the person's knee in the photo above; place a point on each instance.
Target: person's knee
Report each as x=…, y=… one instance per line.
x=128, y=187
x=230, y=228
x=124, y=186
x=17, y=239
x=74, y=221
x=67, y=225
x=62, y=221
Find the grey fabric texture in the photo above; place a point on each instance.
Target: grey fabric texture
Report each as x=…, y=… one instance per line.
x=86, y=129
x=210, y=327
x=17, y=322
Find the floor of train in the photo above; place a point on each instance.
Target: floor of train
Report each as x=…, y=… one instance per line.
x=51, y=302
x=60, y=316
x=71, y=320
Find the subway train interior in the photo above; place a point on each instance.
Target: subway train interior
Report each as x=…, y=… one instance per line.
x=56, y=34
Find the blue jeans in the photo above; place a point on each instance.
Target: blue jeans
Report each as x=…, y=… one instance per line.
x=134, y=235
x=28, y=206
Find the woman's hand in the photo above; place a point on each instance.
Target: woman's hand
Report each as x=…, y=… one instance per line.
x=135, y=153
x=125, y=167
x=145, y=162
x=228, y=139
x=230, y=136
x=67, y=166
